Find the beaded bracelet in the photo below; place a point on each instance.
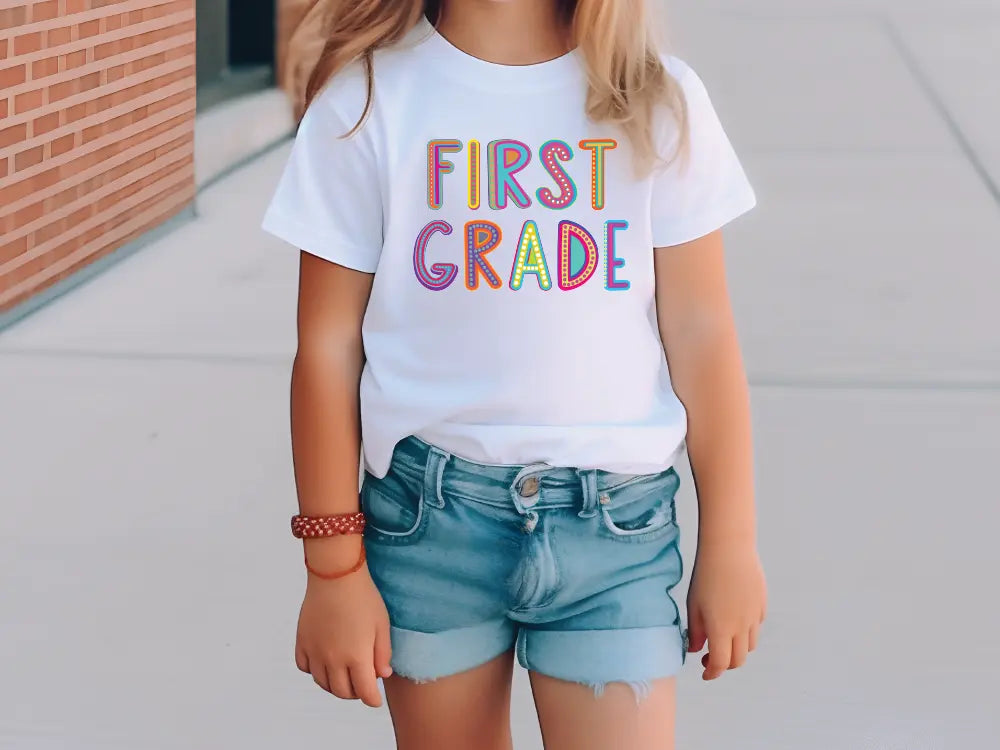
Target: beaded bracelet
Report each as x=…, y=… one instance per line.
x=311, y=527
x=307, y=527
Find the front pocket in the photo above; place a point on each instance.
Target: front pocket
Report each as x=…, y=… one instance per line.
x=641, y=511
x=394, y=512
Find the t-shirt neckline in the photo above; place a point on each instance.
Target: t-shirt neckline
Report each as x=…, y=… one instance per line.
x=491, y=75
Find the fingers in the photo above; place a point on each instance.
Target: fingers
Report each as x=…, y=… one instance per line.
x=728, y=652
x=365, y=685
x=319, y=674
x=383, y=651
x=301, y=660
x=719, y=656
x=340, y=683
x=696, y=632
x=740, y=647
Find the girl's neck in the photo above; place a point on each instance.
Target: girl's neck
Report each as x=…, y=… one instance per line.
x=511, y=32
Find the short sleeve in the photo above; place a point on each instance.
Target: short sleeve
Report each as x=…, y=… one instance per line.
x=706, y=188
x=328, y=200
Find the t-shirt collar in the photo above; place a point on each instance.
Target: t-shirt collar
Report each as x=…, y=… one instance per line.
x=489, y=75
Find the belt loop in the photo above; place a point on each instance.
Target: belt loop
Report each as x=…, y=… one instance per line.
x=433, y=474
x=588, y=480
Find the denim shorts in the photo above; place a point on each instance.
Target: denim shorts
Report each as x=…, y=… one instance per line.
x=571, y=567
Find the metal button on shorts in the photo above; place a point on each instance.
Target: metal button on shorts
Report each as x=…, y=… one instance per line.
x=529, y=487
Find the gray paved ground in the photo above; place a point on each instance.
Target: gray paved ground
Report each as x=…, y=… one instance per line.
x=145, y=411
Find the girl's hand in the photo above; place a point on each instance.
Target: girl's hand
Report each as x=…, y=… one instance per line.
x=727, y=603
x=343, y=632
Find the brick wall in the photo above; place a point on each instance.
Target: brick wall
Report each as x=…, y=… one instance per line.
x=97, y=103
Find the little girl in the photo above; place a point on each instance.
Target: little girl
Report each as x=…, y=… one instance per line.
x=512, y=287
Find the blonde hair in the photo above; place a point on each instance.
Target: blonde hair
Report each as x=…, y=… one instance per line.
x=627, y=81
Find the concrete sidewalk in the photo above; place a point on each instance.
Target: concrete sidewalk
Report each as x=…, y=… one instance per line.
x=149, y=408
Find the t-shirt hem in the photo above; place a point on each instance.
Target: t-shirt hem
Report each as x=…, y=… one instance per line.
x=556, y=450
x=705, y=223
x=337, y=250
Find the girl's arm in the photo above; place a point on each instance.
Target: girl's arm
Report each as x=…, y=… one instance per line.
x=343, y=631
x=726, y=601
x=326, y=376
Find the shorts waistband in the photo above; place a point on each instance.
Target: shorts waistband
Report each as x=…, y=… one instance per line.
x=523, y=487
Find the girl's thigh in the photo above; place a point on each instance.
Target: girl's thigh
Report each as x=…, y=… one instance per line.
x=470, y=709
x=572, y=717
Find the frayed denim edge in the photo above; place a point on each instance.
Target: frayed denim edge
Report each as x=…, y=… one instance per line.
x=640, y=688
x=413, y=678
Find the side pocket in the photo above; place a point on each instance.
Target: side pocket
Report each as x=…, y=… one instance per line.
x=394, y=512
x=641, y=511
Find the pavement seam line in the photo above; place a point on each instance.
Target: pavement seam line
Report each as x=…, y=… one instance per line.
x=178, y=357
x=916, y=70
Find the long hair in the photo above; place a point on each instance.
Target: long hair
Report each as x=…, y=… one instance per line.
x=627, y=82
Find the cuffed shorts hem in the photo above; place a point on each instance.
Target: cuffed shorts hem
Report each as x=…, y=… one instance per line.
x=597, y=657
x=592, y=657
x=423, y=657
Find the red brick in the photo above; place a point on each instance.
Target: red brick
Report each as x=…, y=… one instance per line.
x=90, y=81
x=3, y=108
x=44, y=11
x=158, y=35
x=60, y=146
x=42, y=68
x=45, y=123
x=79, y=216
x=14, y=134
x=113, y=23
x=29, y=158
x=75, y=59
x=149, y=62
x=3, y=49
x=11, y=250
x=29, y=214
x=76, y=112
x=56, y=37
x=116, y=73
x=27, y=43
x=19, y=190
x=77, y=6
x=167, y=102
x=49, y=231
x=24, y=272
x=12, y=76
x=107, y=49
x=62, y=90
x=11, y=17
x=119, y=97
x=178, y=52
x=3, y=168
x=28, y=100
x=90, y=28
x=64, y=198
x=93, y=132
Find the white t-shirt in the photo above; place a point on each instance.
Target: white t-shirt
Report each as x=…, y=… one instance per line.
x=512, y=316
